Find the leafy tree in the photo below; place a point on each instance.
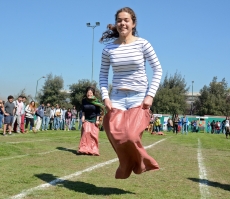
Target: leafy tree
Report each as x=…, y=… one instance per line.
x=23, y=93
x=52, y=91
x=214, y=99
x=77, y=91
x=171, y=96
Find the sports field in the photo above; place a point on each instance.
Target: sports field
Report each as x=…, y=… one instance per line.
x=45, y=165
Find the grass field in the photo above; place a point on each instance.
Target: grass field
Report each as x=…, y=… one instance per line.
x=45, y=165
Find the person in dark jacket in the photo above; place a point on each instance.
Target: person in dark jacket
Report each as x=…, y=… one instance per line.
x=90, y=122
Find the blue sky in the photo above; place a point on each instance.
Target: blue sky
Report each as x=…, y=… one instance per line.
x=39, y=37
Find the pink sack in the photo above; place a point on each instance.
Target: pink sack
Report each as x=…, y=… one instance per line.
x=89, y=139
x=124, y=130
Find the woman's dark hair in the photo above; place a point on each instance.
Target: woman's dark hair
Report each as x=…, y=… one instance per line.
x=111, y=33
x=89, y=88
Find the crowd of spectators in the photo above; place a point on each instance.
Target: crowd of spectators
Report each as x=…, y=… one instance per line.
x=19, y=117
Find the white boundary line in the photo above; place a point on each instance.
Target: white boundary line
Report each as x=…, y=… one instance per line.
x=27, y=141
x=42, y=153
x=78, y=173
x=203, y=183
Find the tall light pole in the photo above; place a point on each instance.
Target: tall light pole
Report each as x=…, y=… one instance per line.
x=192, y=99
x=88, y=25
x=37, y=86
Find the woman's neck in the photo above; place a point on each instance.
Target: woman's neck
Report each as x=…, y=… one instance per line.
x=126, y=40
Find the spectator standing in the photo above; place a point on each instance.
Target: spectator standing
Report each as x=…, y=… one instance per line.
x=217, y=127
x=1, y=113
x=57, y=117
x=62, y=123
x=19, y=111
x=222, y=126
x=157, y=124
x=169, y=124
x=30, y=112
x=176, y=120
x=213, y=124
x=227, y=126
x=46, y=117
x=40, y=115
x=68, y=119
x=184, y=124
x=79, y=120
x=23, y=115
x=74, y=116
x=9, y=111
x=52, y=118
x=208, y=127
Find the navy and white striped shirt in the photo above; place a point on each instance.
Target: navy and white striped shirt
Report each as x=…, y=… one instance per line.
x=129, y=67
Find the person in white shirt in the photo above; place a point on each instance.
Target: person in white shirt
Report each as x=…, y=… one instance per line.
x=227, y=130
x=20, y=110
x=57, y=117
x=131, y=96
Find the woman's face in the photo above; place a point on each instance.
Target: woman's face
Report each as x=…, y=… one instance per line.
x=32, y=103
x=124, y=24
x=89, y=94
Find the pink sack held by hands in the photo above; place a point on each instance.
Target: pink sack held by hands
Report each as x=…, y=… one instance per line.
x=89, y=139
x=124, y=130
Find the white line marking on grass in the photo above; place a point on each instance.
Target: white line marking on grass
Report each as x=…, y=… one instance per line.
x=203, y=184
x=27, y=141
x=42, y=153
x=78, y=173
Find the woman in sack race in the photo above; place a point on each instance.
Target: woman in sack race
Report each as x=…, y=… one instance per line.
x=131, y=97
x=90, y=123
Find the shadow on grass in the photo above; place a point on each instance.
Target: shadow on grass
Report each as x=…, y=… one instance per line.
x=82, y=187
x=211, y=183
x=65, y=149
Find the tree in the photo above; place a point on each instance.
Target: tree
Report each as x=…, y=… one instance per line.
x=52, y=91
x=77, y=91
x=171, y=96
x=214, y=99
x=29, y=98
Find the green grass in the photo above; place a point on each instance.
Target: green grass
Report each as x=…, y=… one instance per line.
x=30, y=160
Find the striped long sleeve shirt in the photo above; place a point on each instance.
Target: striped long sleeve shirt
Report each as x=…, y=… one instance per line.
x=128, y=62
